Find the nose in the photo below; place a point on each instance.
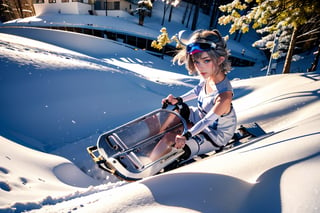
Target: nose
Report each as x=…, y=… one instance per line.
x=199, y=66
x=200, y=69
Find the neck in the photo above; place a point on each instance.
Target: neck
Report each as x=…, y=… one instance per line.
x=217, y=78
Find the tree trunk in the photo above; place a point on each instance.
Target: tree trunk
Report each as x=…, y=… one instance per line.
x=141, y=19
x=20, y=9
x=185, y=13
x=170, y=13
x=315, y=61
x=191, y=9
x=195, y=16
x=164, y=13
x=213, y=14
x=106, y=7
x=287, y=63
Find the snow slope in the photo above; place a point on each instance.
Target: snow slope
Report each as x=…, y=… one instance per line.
x=58, y=96
x=56, y=99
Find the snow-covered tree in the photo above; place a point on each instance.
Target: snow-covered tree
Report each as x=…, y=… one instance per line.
x=143, y=10
x=162, y=40
x=271, y=18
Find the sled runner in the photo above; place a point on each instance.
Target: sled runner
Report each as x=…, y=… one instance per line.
x=126, y=150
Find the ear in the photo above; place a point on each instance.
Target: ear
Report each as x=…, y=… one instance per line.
x=221, y=59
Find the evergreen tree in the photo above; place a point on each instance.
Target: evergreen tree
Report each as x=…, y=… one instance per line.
x=271, y=17
x=143, y=10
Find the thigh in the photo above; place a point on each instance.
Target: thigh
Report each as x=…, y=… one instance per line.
x=194, y=114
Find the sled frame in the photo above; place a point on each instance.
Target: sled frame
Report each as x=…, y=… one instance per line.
x=111, y=148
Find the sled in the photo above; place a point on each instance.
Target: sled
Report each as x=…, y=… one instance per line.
x=125, y=151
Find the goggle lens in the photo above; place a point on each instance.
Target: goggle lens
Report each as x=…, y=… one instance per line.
x=199, y=47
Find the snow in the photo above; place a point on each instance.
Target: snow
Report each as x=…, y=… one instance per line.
x=57, y=97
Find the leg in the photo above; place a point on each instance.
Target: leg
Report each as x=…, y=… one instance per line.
x=153, y=125
x=199, y=145
x=164, y=146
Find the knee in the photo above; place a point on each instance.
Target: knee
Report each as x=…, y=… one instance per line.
x=187, y=153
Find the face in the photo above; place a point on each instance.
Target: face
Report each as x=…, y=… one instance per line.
x=205, y=65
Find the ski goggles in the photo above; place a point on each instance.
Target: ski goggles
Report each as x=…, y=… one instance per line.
x=197, y=47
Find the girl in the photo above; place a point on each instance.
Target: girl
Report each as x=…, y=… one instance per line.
x=213, y=122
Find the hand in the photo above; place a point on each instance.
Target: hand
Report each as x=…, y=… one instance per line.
x=171, y=99
x=180, y=142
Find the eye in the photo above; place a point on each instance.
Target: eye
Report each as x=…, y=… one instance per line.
x=207, y=61
x=196, y=62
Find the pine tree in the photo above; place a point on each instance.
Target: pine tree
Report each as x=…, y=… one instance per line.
x=271, y=17
x=143, y=10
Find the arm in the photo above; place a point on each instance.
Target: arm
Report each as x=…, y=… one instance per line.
x=189, y=96
x=222, y=106
x=186, y=97
x=223, y=103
